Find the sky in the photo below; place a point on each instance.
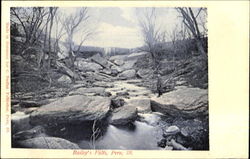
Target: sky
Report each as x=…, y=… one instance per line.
x=119, y=26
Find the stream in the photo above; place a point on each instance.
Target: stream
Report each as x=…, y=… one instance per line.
x=143, y=136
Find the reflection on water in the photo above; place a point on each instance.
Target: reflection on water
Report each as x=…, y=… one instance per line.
x=143, y=137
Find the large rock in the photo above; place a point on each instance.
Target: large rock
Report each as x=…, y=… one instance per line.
x=64, y=79
x=128, y=74
x=124, y=115
x=136, y=55
x=183, y=102
x=72, y=109
x=145, y=73
x=31, y=133
x=64, y=69
x=99, y=60
x=87, y=66
x=119, y=62
x=20, y=122
x=118, y=57
x=128, y=65
x=47, y=143
x=142, y=104
x=88, y=91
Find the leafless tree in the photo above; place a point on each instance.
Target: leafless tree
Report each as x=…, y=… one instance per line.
x=190, y=21
x=153, y=36
x=77, y=22
x=71, y=25
x=31, y=21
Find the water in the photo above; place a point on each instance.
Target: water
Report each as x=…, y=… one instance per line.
x=144, y=137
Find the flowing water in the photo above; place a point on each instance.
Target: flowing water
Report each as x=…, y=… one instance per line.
x=145, y=135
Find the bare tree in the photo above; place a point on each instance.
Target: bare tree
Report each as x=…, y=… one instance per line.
x=72, y=25
x=31, y=21
x=153, y=36
x=190, y=21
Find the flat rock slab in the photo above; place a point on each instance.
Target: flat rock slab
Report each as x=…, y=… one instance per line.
x=72, y=110
x=142, y=104
x=48, y=143
x=123, y=115
x=185, y=102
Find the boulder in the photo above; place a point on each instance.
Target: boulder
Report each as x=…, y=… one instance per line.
x=172, y=130
x=142, y=104
x=123, y=115
x=19, y=122
x=117, y=102
x=128, y=74
x=71, y=109
x=64, y=69
x=99, y=60
x=128, y=65
x=145, y=73
x=184, y=102
x=119, y=62
x=88, y=91
x=118, y=57
x=87, y=66
x=116, y=69
x=64, y=79
x=48, y=143
x=28, y=134
x=136, y=55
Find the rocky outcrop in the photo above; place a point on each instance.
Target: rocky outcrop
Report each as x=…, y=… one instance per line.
x=183, y=102
x=47, y=143
x=128, y=74
x=123, y=115
x=71, y=109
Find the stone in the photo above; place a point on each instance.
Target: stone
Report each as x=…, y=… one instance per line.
x=71, y=109
x=122, y=94
x=128, y=74
x=87, y=66
x=145, y=73
x=27, y=134
x=47, y=143
x=186, y=102
x=99, y=60
x=142, y=104
x=64, y=79
x=136, y=55
x=64, y=69
x=172, y=130
x=117, y=102
x=123, y=115
x=118, y=62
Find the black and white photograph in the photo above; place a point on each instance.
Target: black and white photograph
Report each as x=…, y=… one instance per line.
x=121, y=78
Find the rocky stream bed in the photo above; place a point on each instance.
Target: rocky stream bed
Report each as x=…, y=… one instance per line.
x=110, y=107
